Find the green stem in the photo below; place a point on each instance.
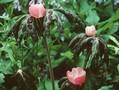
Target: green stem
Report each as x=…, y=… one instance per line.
x=49, y=62
x=43, y=81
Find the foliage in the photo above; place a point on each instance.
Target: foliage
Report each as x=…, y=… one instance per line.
x=22, y=47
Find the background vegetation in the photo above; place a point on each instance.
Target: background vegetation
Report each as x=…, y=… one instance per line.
x=29, y=55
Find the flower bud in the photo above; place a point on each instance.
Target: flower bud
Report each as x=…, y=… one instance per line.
x=37, y=10
x=90, y=30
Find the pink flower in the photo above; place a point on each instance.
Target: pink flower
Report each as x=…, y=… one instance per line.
x=90, y=30
x=37, y=10
x=77, y=76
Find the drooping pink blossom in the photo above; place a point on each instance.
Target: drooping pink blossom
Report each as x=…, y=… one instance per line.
x=90, y=30
x=77, y=76
x=37, y=10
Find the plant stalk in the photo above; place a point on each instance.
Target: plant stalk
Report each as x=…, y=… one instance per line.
x=49, y=62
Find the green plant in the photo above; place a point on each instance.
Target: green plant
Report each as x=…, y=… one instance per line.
x=22, y=45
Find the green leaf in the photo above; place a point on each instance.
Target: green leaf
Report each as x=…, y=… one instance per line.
x=2, y=78
x=88, y=85
x=114, y=48
x=92, y=17
x=112, y=29
x=6, y=47
x=109, y=28
x=56, y=63
x=95, y=46
x=75, y=5
x=5, y=67
x=116, y=78
x=82, y=60
x=115, y=16
x=84, y=6
x=4, y=17
x=118, y=67
x=47, y=85
x=106, y=87
x=5, y=1
x=112, y=38
x=67, y=54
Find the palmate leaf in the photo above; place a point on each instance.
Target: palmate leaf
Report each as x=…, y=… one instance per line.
x=104, y=51
x=73, y=43
x=26, y=82
x=54, y=18
x=26, y=27
x=60, y=25
x=21, y=80
x=91, y=45
x=94, y=51
x=15, y=27
x=74, y=20
x=38, y=25
x=71, y=17
x=79, y=42
x=85, y=44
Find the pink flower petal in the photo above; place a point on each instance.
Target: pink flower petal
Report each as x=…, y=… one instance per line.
x=76, y=76
x=37, y=10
